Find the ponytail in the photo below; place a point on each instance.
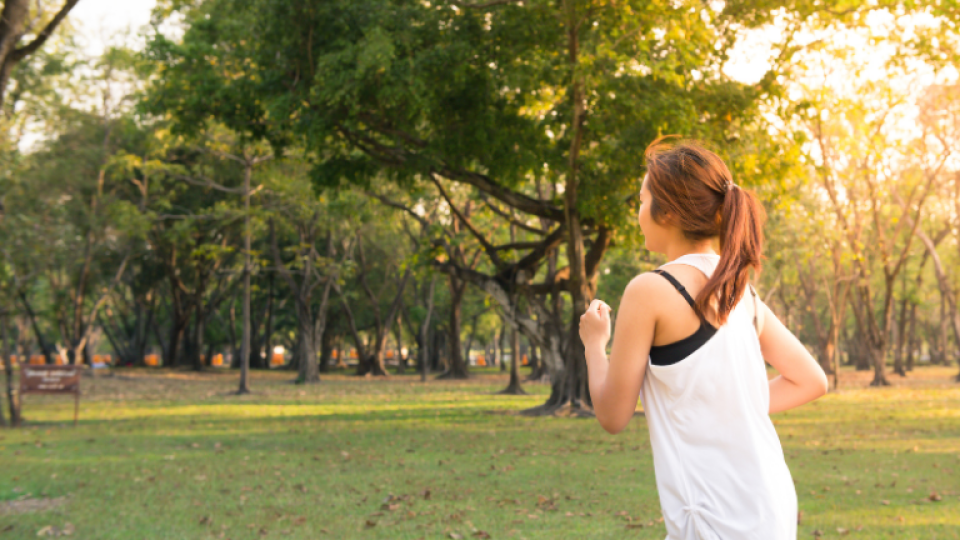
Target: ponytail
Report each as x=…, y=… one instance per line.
x=741, y=248
x=694, y=187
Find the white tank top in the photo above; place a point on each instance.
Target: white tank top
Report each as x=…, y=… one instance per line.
x=719, y=466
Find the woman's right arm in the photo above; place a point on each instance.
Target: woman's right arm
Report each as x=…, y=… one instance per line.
x=801, y=378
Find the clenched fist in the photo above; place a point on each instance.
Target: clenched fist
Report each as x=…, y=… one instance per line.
x=595, y=325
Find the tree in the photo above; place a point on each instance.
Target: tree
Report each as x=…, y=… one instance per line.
x=16, y=22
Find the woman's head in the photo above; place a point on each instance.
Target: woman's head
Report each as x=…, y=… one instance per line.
x=689, y=189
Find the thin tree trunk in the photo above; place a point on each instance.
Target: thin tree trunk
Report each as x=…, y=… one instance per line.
x=947, y=298
x=13, y=393
x=398, y=337
x=457, y=368
x=244, y=386
x=514, y=387
x=912, y=337
x=898, y=363
x=424, y=328
x=268, y=326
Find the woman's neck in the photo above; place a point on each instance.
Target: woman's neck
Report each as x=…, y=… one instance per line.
x=675, y=252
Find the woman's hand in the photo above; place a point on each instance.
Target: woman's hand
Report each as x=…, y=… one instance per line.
x=595, y=325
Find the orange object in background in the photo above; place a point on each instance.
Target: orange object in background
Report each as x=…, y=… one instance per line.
x=524, y=361
x=217, y=360
x=276, y=359
x=389, y=355
x=14, y=359
x=101, y=359
x=353, y=353
x=335, y=354
x=37, y=360
x=481, y=360
x=151, y=360
x=58, y=361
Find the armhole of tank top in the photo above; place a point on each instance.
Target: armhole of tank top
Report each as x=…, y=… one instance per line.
x=756, y=310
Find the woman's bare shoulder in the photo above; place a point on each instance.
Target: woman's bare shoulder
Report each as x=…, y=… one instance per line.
x=646, y=289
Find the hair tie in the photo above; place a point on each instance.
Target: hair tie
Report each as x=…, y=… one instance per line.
x=730, y=186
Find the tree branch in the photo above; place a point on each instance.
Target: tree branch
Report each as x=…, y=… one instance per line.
x=32, y=47
x=487, y=247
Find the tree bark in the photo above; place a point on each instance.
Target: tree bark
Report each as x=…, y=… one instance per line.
x=898, y=364
x=244, y=386
x=424, y=330
x=457, y=368
x=947, y=297
x=13, y=392
x=514, y=388
x=13, y=26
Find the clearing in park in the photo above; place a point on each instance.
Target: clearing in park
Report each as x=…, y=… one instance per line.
x=172, y=454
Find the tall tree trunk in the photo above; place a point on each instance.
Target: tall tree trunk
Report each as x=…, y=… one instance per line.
x=898, y=363
x=947, y=298
x=244, y=386
x=514, y=388
x=457, y=368
x=198, y=360
x=398, y=337
x=268, y=326
x=232, y=332
x=327, y=344
x=912, y=337
x=13, y=392
x=536, y=366
x=424, y=331
x=502, y=347
x=309, y=370
x=45, y=348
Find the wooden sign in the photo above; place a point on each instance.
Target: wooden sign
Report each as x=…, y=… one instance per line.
x=52, y=380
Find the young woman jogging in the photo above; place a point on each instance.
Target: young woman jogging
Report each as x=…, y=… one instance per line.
x=691, y=340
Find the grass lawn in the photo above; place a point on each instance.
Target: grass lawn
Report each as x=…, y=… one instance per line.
x=162, y=454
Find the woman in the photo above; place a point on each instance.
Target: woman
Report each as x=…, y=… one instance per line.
x=691, y=339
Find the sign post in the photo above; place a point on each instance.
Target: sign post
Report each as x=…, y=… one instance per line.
x=52, y=380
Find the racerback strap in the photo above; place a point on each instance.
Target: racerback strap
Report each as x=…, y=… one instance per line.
x=686, y=296
x=680, y=288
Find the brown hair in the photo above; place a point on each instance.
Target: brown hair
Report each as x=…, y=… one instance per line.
x=693, y=189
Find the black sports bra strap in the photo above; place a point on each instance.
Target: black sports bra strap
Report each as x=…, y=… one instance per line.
x=680, y=288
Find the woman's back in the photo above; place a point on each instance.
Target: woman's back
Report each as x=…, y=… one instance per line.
x=719, y=465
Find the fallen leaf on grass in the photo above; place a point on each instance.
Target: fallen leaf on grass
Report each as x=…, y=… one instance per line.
x=885, y=502
x=817, y=532
x=935, y=497
x=481, y=534
x=371, y=523
x=455, y=536
x=841, y=531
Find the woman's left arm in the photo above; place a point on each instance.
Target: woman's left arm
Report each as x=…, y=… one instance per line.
x=615, y=384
